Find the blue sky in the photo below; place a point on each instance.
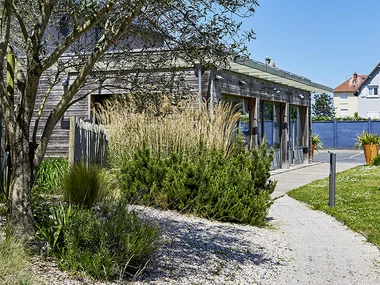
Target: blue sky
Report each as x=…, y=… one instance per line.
x=323, y=40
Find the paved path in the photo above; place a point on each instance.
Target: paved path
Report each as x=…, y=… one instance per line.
x=321, y=250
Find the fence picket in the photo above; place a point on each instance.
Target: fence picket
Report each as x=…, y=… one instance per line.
x=88, y=142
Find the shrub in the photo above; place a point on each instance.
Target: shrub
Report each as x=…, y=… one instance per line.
x=49, y=176
x=376, y=160
x=51, y=222
x=83, y=185
x=233, y=188
x=107, y=243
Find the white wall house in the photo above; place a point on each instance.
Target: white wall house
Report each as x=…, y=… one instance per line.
x=368, y=95
x=345, y=99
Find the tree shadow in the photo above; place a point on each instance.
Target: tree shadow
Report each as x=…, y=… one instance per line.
x=192, y=246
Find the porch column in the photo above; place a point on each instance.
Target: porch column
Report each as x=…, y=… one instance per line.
x=305, y=133
x=284, y=134
x=253, y=122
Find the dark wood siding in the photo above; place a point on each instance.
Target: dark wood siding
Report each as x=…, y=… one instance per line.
x=59, y=141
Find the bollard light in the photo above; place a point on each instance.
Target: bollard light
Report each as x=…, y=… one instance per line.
x=332, y=178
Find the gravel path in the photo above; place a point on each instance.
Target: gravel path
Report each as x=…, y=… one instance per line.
x=198, y=251
x=300, y=246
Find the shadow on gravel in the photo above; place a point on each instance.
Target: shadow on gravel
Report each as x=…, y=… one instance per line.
x=197, y=247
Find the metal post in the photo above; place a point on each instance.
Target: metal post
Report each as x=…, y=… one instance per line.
x=332, y=177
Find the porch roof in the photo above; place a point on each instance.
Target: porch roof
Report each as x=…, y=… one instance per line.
x=267, y=72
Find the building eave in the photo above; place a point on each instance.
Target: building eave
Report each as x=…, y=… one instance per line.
x=260, y=70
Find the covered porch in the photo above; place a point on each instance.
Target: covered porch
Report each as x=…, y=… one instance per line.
x=274, y=104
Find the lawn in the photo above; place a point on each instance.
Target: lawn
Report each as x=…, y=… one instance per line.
x=357, y=199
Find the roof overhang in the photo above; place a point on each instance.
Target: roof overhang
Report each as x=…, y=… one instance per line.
x=263, y=71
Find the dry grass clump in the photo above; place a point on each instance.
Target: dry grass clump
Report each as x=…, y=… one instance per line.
x=14, y=263
x=184, y=128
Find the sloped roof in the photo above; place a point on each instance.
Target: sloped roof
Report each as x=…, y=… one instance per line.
x=371, y=74
x=261, y=70
x=350, y=85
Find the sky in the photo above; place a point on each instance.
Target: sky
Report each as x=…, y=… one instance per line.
x=323, y=40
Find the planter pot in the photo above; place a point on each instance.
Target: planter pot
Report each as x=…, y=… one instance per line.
x=370, y=152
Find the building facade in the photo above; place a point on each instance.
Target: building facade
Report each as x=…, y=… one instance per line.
x=277, y=104
x=345, y=96
x=368, y=95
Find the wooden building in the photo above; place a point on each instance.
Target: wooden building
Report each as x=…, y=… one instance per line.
x=277, y=104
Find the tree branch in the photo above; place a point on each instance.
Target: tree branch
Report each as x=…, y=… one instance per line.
x=75, y=35
x=5, y=101
x=42, y=22
x=73, y=16
x=20, y=22
x=63, y=104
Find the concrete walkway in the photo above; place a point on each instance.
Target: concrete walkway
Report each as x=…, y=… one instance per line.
x=321, y=249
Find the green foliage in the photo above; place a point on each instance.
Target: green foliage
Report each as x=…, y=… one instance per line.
x=321, y=118
x=349, y=119
x=14, y=264
x=107, y=243
x=354, y=118
x=244, y=118
x=316, y=141
x=357, y=199
x=50, y=223
x=49, y=176
x=83, y=185
x=233, y=188
x=376, y=160
x=367, y=138
x=323, y=106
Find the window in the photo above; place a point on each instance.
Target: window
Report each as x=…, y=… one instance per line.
x=344, y=113
x=343, y=99
x=373, y=90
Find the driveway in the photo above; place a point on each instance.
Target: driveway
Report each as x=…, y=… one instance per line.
x=342, y=156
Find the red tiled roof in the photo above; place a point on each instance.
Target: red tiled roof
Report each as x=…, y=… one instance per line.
x=351, y=86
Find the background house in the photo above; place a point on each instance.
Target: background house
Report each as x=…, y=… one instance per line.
x=368, y=95
x=345, y=96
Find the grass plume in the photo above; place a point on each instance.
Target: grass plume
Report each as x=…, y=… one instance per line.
x=184, y=128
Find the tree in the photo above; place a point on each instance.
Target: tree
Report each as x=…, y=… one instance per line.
x=323, y=107
x=50, y=37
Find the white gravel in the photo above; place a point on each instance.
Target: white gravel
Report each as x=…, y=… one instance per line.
x=198, y=251
x=300, y=246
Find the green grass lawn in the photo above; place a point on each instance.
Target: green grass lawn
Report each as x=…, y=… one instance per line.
x=357, y=199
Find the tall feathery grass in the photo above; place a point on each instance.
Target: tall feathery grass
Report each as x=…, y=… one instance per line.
x=184, y=128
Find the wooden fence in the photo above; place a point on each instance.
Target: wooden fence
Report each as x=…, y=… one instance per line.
x=88, y=143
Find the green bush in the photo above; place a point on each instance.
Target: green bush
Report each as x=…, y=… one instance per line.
x=83, y=185
x=49, y=176
x=106, y=243
x=376, y=160
x=233, y=188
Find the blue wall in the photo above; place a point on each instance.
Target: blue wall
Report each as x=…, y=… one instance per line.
x=342, y=134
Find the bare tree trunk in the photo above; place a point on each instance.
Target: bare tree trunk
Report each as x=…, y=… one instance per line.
x=20, y=221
